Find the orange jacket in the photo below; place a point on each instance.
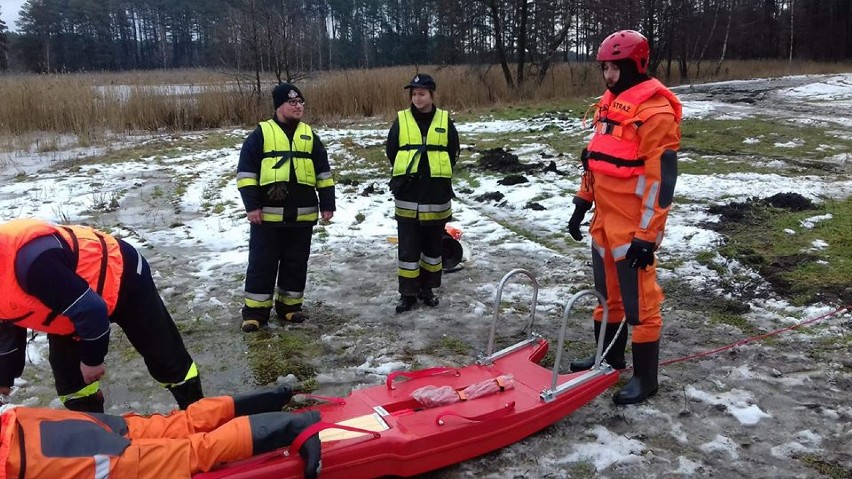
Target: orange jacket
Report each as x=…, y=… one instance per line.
x=614, y=149
x=99, y=263
x=632, y=131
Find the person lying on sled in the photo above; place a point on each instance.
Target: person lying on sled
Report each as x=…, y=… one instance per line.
x=41, y=442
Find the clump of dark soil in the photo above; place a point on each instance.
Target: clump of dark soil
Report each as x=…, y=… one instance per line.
x=502, y=161
x=372, y=189
x=753, y=211
x=513, y=180
x=490, y=196
x=790, y=202
x=551, y=168
x=532, y=205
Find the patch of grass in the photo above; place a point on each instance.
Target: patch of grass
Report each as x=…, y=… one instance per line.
x=582, y=470
x=708, y=259
x=826, y=468
x=359, y=218
x=279, y=353
x=735, y=320
x=452, y=345
x=728, y=137
x=466, y=175
x=791, y=262
x=167, y=146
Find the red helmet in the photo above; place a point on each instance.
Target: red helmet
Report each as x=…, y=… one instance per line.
x=626, y=44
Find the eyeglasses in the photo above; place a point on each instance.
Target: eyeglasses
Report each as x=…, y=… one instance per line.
x=296, y=101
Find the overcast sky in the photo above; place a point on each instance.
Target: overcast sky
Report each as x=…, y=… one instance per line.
x=10, y=9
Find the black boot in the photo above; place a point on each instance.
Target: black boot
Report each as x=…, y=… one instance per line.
x=262, y=401
x=428, y=297
x=405, y=303
x=615, y=357
x=187, y=392
x=290, y=314
x=273, y=430
x=254, y=319
x=643, y=384
x=91, y=403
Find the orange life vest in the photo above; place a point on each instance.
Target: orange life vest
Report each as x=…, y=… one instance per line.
x=99, y=263
x=42, y=435
x=614, y=149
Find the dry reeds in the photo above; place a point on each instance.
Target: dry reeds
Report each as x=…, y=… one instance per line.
x=87, y=105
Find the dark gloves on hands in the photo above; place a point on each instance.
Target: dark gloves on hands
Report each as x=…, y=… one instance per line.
x=581, y=207
x=640, y=254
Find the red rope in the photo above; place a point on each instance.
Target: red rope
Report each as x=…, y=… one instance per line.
x=756, y=338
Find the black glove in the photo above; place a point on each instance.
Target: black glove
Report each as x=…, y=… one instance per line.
x=640, y=254
x=581, y=207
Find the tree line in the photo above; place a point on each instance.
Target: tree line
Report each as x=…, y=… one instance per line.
x=523, y=38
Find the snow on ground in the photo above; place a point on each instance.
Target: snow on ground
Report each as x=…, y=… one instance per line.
x=736, y=418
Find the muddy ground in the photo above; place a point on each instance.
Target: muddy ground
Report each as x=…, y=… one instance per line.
x=800, y=380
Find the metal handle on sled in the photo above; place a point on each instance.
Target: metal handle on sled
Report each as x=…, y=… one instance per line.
x=497, y=297
x=548, y=395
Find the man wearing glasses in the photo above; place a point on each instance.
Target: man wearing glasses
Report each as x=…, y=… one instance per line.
x=285, y=182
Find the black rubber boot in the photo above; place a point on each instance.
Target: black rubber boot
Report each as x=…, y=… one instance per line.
x=615, y=358
x=273, y=430
x=91, y=403
x=257, y=402
x=428, y=297
x=405, y=303
x=187, y=392
x=643, y=384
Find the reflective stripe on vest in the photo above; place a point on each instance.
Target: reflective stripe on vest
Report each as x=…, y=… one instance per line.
x=99, y=263
x=412, y=144
x=280, y=156
x=423, y=211
x=614, y=149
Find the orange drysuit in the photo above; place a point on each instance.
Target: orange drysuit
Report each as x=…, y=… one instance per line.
x=630, y=176
x=57, y=443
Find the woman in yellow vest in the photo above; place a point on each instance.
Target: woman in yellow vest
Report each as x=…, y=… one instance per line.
x=422, y=146
x=631, y=170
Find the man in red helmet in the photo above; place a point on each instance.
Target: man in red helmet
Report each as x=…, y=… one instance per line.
x=630, y=173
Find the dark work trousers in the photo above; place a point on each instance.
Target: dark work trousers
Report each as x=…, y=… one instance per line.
x=281, y=251
x=146, y=322
x=419, y=244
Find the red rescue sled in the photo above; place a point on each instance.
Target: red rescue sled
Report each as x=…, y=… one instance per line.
x=382, y=430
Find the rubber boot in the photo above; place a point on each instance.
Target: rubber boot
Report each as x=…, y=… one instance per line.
x=643, y=384
x=91, y=403
x=273, y=430
x=615, y=357
x=187, y=392
x=405, y=303
x=257, y=402
x=428, y=297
